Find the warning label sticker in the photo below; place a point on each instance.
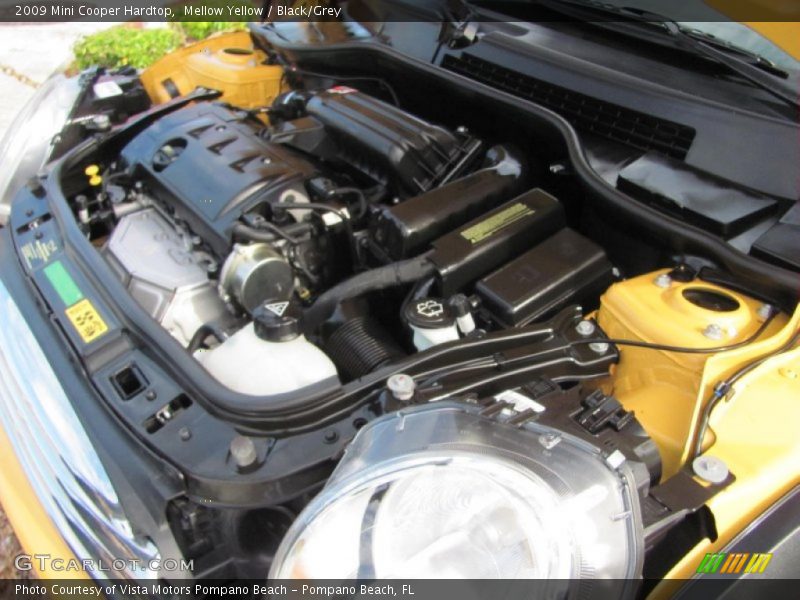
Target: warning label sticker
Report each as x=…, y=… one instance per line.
x=86, y=320
x=278, y=308
x=488, y=227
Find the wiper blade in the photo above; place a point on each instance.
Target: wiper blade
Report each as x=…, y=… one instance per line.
x=761, y=73
x=757, y=60
x=630, y=21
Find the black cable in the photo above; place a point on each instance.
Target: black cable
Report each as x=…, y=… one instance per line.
x=484, y=363
x=381, y=82
x=297, y=261
x=362, y=199
x=380, y=278
x=256, y=235
x=419, y=290
x=434, y=375
x=680, y=349
x=201, y=334
x=109, y=178
x=723, y=389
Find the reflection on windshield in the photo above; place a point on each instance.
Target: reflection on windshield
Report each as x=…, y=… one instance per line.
x=715, y=23
x=744, y=37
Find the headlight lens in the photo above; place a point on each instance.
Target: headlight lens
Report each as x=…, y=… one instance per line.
x=27, y=144
x=443, y=493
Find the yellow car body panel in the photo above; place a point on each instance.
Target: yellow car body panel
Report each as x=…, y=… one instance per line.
x=227, y=63
x=665, y=389
x=754, y=431
x=756, y=436
x=785, y=35
x=35, y=530
x=779, y=20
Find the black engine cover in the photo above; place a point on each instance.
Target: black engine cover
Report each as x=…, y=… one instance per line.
x=208, y=164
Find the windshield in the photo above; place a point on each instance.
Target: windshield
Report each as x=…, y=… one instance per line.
x=708, y=20
x=743, y=37
x=695, y=15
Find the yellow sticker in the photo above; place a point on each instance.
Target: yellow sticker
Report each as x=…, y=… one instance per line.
x=488, y=227
x=86, y=320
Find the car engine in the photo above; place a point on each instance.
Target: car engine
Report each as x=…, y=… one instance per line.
x=287, y=243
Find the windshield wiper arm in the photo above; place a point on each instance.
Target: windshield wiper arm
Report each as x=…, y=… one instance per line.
x=756, y=69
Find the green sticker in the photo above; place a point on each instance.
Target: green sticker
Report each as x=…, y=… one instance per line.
x=63, y=283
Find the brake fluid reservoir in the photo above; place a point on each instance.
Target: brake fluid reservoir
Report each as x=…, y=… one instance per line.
x=660, y=386
x=268, y=356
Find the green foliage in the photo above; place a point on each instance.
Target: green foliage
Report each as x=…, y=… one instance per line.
x=121, y=46
x=200, y=30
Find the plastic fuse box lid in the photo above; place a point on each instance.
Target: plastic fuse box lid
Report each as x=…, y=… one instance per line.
x=565, y=268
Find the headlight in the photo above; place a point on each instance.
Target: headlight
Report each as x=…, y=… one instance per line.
x=442, y=492
x=61, y=464
x=28, y=142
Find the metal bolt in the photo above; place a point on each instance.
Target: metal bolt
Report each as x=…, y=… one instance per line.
x=243, y=451
x=710, y=468
x=663, y=281
x=102, y=122
x=164, y=415
x=401, y=386
x=585, y=328
x=714, y=332
x=615, y=459
x=151, y=395
x=764, y=311
x=185, y=434
x=331, y=436
x=599, y=347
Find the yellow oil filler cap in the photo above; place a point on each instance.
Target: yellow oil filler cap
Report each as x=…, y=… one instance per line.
x=93, y=173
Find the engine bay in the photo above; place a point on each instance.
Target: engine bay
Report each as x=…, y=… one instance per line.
x=263, y=241
x=342, y=274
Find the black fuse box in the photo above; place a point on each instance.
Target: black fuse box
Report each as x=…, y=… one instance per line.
x=565, y=269
x=475, y=249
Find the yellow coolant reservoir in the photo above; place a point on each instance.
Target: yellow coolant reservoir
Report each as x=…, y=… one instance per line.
x=228, y=63
x=666, y=389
